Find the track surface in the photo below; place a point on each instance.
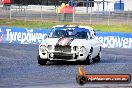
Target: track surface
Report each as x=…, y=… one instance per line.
x=19, y=68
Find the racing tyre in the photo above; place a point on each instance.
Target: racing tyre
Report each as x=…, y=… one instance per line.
x=41, y=61
x=88, y=59
x=97, y=58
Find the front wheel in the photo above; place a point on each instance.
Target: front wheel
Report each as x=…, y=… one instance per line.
x=41, y=61
x=88, y=59
x=97, y=58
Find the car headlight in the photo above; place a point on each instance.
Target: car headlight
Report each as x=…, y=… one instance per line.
x=49, y=47
x=42, y=48
x=82, y=50
x=75, y=48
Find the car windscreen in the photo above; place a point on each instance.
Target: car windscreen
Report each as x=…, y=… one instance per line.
x=79, y=34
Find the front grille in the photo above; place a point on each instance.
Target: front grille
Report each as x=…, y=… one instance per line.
x=63, y=56
x=63, y=48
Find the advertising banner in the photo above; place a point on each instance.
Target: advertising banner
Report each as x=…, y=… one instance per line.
x=22, y=35
x=37, y=36
x=115, y=39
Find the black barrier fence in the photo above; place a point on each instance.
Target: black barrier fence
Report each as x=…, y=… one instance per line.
x=54, y=2
x=48, y=13
x=83, y=14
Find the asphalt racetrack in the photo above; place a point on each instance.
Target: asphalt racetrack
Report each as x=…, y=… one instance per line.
x=19, y=68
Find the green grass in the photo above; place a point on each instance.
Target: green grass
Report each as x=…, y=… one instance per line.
x=113, y=28
x=39, y=24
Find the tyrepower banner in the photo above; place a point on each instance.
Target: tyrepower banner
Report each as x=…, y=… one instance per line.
x=22, y=35
x=115, y=39
x=36, y=36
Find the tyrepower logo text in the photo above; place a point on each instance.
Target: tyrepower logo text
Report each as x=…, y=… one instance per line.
x=115, y=42
x=26, y=37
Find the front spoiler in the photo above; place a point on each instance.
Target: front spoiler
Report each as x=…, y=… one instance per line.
x=52, y=59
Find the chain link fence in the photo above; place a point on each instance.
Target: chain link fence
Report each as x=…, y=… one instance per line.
x=48, y=13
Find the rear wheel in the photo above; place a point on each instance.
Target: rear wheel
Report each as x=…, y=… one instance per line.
x=41, y=61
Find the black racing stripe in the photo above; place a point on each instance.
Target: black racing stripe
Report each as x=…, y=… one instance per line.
x=58, y=41
x=70, y=42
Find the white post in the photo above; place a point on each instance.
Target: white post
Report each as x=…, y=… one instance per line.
x=109, y=18
x=10, y=14
x=26, y=14
x=90, y=18
x=128, y=17
x=98, y=12
x=41, y=12
x=91, y=6
x=91, y=13
x=73, y=18
x=87, y=6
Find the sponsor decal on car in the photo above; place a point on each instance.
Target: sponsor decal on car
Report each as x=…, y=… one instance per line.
x=64, y=41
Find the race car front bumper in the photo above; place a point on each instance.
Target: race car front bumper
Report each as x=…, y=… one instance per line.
x=65, y=56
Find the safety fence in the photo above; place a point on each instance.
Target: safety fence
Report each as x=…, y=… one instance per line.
x=37, y=36
x=81, y=15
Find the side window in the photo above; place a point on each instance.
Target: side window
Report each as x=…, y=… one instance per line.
x=81, y=35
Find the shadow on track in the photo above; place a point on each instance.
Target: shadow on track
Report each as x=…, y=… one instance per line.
x=68, y=63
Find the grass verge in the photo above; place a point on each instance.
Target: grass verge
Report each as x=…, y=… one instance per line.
x=38, y=24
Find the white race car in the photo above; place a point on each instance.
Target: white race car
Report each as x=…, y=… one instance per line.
x=70, y=43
